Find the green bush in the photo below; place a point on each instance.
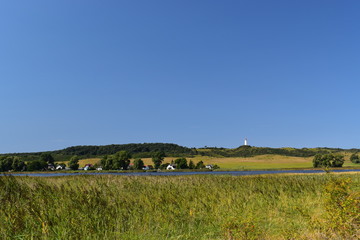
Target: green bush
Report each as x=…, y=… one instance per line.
x=191, y=164
x=74, y=163
x=138, y=164
x=328, y=160
x=354, y=158
x=181, y=163
x=11, y=163
x=158, y=158
x=36, y=165
x=200, y=165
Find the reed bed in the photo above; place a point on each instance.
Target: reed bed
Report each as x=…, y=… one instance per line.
x=180, y=207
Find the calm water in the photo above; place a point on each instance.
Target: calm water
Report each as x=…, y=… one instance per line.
x=235, y=173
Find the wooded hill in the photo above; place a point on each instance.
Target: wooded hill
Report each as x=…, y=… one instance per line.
x=249, y=151
x=137, y=150
x=144, y=150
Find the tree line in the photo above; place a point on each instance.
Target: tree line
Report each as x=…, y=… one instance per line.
x=118, y=161
x=121, y=161
x=136, y=149
x=250, y=151
x=146, y=150
x=45, y=162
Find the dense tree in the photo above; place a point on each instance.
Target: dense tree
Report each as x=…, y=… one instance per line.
x=11, y=163
x=337, y=160
x=18, y=164
x=138, y=164
x=317, y=161
x=135, y=149
x=158, y=158
x=355, y=158
x=200, y=165
x=121, y=160
x=215, y=167
x=107, y=162
x=74, y=163
x=191, y=164
x=181, y=163
x=6, y=164
x=36, y=165
x=328, y=160
x=47, y=157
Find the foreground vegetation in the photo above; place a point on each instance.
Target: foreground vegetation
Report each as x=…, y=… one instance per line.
x=180, y=207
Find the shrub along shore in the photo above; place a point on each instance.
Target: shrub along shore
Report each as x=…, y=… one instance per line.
x=180, y=207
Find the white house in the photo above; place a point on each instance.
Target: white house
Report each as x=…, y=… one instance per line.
x=59, y=167
x=171, y=167
x=210, y=166
x=51, y=167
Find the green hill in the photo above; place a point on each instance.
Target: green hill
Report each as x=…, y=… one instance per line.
x=249, y=151
x=141, y=150
x=145, y=150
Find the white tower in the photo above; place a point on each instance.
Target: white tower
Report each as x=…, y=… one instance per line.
x=245, y=142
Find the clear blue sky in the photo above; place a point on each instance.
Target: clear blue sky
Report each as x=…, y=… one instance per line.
x=194, y=73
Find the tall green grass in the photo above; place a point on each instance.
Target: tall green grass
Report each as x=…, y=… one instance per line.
x=176, y=207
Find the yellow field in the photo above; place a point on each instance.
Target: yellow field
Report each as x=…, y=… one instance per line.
x=92, y=161
x=258, y=162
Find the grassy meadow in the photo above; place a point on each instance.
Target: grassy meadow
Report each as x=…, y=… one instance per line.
x=238, y=163
x=322, y=206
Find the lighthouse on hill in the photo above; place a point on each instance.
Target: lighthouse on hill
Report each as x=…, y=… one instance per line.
x=245, y=142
